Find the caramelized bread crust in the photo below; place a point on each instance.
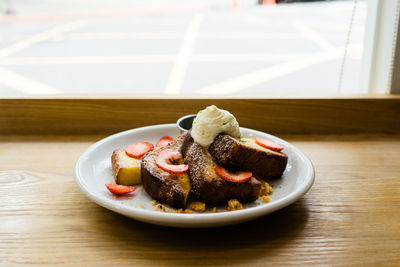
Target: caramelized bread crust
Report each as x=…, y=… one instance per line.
x=165, y=187
x=236, y=155
x=207, y=186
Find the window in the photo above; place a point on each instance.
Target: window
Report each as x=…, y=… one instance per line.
x=215, y=47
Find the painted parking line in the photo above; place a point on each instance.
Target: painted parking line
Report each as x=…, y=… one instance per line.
x=312, y=35
x=173, y=35
x=24, y=84
x=161, y=58
x=104, y=13
x=40, y=37
x=247, y=80
x=245, y=57
x=178, y=71
x=88, y=60
x=91, y=36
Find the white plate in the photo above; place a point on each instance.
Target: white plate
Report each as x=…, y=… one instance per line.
x=93, y=170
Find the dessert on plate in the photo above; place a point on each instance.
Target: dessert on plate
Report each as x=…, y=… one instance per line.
x=211, y=163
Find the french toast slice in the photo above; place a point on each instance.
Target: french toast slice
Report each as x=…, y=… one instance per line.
x=126, y=169
x=247, y=155
x=165, y=187
x=206, y=185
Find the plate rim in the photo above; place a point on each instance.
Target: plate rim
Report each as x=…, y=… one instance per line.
x=186, y=220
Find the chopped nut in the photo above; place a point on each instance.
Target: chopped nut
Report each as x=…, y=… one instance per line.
x=264, y=198
x=234, y=204
x=179, y=211
x=188, y=211
x=214, y=209
x=266, y=189
x=198, y=206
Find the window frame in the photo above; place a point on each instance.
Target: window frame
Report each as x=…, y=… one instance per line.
x=395, y=82
x=379, y=64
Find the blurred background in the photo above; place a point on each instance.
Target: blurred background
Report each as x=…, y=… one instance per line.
x=180, y=46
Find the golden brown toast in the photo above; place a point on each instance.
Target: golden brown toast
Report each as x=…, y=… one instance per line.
x=165, y=187
x=236, y=155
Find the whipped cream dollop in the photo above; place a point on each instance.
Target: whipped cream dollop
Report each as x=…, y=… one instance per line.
x=210, y=122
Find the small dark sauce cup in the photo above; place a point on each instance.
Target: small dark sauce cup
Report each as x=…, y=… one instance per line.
x=185, y=123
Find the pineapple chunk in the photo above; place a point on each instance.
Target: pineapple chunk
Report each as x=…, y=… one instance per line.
x=126, y=169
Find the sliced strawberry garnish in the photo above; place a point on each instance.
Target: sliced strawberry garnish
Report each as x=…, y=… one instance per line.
x=120, y=189
x=137, y=150
x=264, y=142
x=165, y=140
x=167, y=157
x=236, y=177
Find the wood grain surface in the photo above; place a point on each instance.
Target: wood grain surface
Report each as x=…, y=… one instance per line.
x=46, y=116
x=350, y=217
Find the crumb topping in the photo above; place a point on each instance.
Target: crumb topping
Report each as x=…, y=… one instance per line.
x=198, y=206
x=188, y=211
x=264, y=199
x=234, y=204
x=266, y=189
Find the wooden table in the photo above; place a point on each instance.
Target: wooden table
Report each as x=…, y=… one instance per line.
x=351, y=216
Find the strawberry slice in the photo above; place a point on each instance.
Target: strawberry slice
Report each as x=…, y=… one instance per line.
x=120, y=189
x=167, y=157
x=264, y=142
x=236, y=177
x=137, y=150
x=164, y=141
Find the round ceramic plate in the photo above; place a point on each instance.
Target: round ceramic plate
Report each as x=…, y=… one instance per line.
x=93, y=170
